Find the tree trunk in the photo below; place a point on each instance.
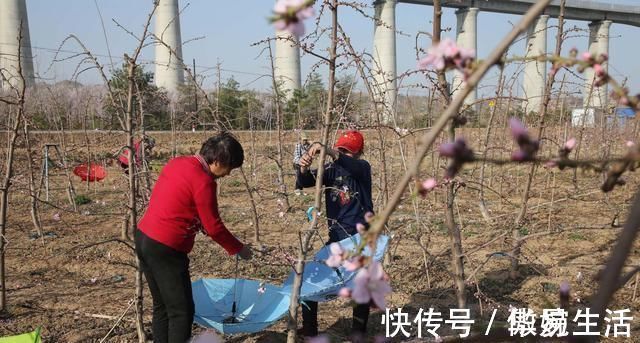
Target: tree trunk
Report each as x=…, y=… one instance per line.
x=254, y=209
x=516, y=234
x=33, y=194
x=129, y=122
x=282, y=187
x=453, y=228
x=292, y=321
x=4, y=203
x=482, y=204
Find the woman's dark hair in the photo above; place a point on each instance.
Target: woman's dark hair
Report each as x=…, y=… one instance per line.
x=223, y=148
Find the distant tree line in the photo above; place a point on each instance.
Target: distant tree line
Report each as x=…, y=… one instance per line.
x=73, y=106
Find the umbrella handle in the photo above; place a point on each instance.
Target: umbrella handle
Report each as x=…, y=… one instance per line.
x=235, y=284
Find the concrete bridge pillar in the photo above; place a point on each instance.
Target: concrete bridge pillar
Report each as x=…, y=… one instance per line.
x=535, y=71
x=169, y=65
x=598, y=44
x=13, y=15
x=467, y=37
x=384, y=56
x=287, y=63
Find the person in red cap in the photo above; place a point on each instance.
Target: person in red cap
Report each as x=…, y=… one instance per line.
x=123, y=159
x=347, y=182
x=183, y=203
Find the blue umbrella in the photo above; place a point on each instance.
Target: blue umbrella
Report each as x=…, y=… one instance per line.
x=254, y=310
x=322, y=283
x=237, y=306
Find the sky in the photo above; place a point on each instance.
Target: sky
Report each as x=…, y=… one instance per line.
x=218, y=31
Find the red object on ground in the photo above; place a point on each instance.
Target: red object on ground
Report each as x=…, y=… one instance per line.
x=95, y=172
x=352, y=141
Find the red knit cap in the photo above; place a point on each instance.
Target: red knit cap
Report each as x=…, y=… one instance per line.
x=351, y=141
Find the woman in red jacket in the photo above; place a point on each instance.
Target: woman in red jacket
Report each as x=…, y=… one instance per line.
x=183, y=202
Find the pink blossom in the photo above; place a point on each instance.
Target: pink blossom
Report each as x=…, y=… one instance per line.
x=344, y=292
x=447, y=150
x=285, y=6
x=56, y=216
x=467, y=54
x=597, y=68
x=448, y=47
x=446, y=54
x=564, y=291
x=432, y=60
x=624, y=101
x=570, y=144
x=456, y=150
x=528, y=147
x=335, y=259
x=371, y=284
x=429, y=184
x=564, y=287
x=518, y=156
x=207, y=337
x=290, y=15
x=296, y=28
x=586, y=56
x=518, y=130
x=353, y=264
x=459, y=153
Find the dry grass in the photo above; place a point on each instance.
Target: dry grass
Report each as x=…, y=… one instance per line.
x=56, y=283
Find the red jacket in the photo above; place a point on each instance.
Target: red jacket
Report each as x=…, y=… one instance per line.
x=184, y=202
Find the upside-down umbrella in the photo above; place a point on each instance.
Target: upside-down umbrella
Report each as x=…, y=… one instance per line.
x=246, y=306
x=94, y=172
x=257, y=305
x=322, y=283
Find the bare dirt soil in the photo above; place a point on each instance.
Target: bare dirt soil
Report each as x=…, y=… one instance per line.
x=75, y=283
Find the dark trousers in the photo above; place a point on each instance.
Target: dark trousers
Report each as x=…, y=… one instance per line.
x=310, y=318
x=310, y=308
x=167, y=274
x=296, y=167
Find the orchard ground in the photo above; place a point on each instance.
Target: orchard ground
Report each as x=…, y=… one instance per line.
x=76, y=289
